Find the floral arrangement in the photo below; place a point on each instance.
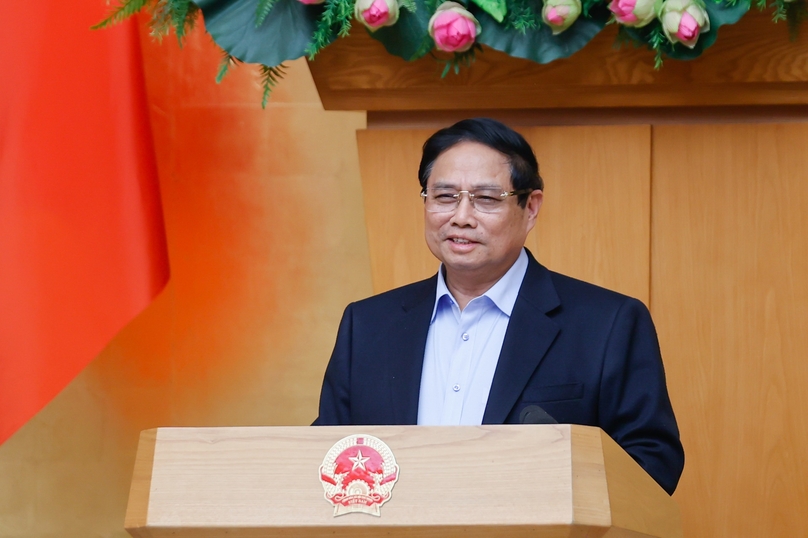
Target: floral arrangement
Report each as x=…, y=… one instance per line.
x=270, y=32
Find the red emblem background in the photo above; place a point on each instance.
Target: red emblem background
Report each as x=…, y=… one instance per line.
x=358, y=475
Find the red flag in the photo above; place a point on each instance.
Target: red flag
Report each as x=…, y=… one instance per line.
x=82, y=244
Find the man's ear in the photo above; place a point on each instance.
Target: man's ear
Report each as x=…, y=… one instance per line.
x=533, y=205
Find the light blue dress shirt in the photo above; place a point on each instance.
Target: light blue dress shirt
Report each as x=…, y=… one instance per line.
x=462, y=350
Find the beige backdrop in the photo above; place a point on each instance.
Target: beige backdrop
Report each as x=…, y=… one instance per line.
x=268, y=242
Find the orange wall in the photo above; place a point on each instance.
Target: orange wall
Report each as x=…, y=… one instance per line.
x=267, y=245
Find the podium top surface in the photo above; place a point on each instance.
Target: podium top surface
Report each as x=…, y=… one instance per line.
x=548, y=480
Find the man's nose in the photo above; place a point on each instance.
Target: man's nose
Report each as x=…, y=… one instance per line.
x=464, y=213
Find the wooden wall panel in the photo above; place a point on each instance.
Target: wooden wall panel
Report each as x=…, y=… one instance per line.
x=730, y=299
x=388, y=164
x=594, y=224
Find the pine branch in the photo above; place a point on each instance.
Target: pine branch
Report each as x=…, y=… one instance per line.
x=522, y=15
x=178, y=10
x=657, y=40
x=190, y=18
x=270, y=76
x=336, y=18
x=458, y=60
x=177, y=14
x=409, y=5
x=263, y=9
x=124, y=10
x=779, y=11
x=228, y=61
x=160, y=23
x=623, y=38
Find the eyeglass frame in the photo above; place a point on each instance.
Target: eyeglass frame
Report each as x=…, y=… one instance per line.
x=470, y=195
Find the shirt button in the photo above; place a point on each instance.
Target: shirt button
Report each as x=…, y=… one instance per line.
x=465, y=336
x=456, y=387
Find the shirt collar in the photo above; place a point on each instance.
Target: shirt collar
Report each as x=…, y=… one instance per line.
x=503, y=294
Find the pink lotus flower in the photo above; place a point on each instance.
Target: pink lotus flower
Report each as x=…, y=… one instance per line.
x=453, y=28
x=636, y=13
x=376, y=13
x=688, y=28
x=557, y=15
x=683, y=21
x=560, y=14
x=311, y=2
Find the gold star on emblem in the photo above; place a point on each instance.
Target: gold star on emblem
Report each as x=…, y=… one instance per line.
x=358, y=461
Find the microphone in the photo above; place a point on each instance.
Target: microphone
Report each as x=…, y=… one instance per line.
x=533, y=414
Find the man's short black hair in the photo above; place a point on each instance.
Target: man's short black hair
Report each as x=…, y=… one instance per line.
x=495, y=135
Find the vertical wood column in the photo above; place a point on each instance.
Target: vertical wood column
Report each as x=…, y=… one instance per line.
x=730, y=299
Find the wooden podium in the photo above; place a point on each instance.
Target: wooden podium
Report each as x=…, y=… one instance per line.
x=512, y=480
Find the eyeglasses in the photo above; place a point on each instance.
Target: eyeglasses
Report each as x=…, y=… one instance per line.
x=443, y=200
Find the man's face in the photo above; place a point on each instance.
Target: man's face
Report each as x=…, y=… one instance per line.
x=477, y=247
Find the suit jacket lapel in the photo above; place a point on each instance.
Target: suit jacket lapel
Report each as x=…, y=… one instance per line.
x=530, y=334
x=407, y=351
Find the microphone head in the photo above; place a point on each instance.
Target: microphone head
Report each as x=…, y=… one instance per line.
x=533, y=414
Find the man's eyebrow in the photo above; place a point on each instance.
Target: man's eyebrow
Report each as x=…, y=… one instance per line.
x=443, y=184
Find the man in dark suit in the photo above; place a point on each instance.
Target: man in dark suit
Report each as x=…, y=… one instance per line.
x=494, y=332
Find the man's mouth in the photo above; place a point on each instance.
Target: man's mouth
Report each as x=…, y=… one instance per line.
x=459, y=240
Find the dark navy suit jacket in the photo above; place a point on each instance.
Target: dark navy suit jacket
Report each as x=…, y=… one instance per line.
x=585, y=354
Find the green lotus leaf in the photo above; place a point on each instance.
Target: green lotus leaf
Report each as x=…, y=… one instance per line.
x=409, y=37
x=496, y=8
x=539, y=44
x=284, y=34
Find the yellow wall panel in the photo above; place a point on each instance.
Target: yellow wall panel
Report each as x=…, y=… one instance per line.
x=388, y=160
x=730, y=299
x=595, y=221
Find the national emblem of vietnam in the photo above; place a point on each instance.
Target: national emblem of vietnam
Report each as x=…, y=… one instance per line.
x=358, y=475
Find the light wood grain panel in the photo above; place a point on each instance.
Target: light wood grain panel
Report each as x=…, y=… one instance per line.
x=394, y=211
x=594, y=224
x=730, y=298
x=137, y=510
x=269, y=477
x=595, y=221
x=752, y=63
x=636, y=501
x=453, y=481
x=376, y=532
x=590, y=498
